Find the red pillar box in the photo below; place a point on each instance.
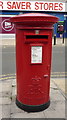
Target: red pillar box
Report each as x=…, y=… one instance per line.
x=33, y=60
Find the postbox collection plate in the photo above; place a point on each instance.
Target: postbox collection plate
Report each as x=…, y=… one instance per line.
x=36, y=54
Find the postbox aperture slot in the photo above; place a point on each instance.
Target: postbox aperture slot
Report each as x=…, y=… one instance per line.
x=36, y=38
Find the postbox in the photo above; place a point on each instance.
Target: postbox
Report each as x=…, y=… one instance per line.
x=33, y=60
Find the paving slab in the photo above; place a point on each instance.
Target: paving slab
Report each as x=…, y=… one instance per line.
x=28, y=115
x=6, y=94
x=13, y=90
x=52, y=85
x=6, y=87
x=15, y=109
x=0, y=86
x=6, y=110
x=60, y=83
x=0, y=112
x=0, y=89
x=13, y=82
x=5, y=100
x=54, y=114
x=56, y=95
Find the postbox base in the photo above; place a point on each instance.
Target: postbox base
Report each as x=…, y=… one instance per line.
x=32, y=108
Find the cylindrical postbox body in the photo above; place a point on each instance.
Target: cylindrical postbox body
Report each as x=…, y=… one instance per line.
x=33, y=60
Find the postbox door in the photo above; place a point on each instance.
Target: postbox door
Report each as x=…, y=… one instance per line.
x=40, y=68
x=36, y=73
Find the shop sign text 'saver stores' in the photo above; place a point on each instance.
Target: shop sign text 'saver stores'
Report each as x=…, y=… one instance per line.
x=32, y=5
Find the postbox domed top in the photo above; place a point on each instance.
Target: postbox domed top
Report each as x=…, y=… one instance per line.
x=34, y=19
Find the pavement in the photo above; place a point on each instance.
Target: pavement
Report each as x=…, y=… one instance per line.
x=8, y=108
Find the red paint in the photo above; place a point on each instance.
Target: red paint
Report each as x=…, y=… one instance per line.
x=36, y=6
x=61, y=6
x=1, y=5
x=33, y=80
x=55, y=6
x=18, y=5
x=48, y=6
x=51, y=6
x=28, y=5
